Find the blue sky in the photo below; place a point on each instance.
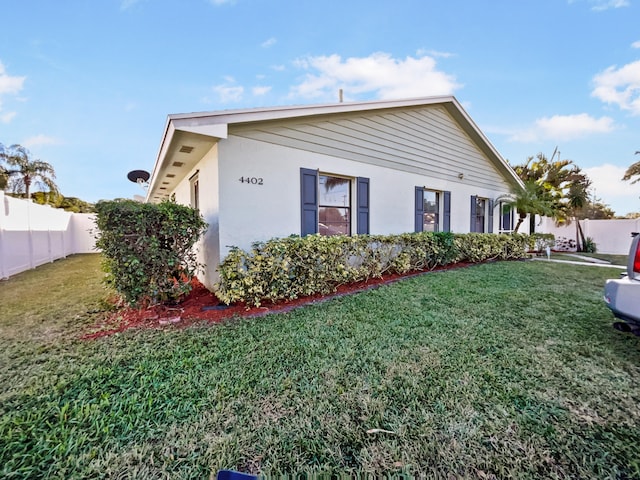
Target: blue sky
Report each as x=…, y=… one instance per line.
x=87, y=84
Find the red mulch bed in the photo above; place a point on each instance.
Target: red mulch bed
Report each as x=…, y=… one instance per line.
x=202, y=305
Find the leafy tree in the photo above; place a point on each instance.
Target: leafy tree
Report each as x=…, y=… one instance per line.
x=633, y=171
x=599, y=211
x=529, y=200
x=70, y=204
x=574, y=203
x=23, y=171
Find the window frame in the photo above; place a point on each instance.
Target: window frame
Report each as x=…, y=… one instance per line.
x=511, y=221
x=438, y=214
x=444, y=209
x=194, y=190
x=359, y=202
x=348, y=208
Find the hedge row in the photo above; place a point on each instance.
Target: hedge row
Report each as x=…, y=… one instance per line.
x=293, y=267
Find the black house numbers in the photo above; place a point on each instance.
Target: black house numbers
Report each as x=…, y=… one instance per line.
x=251, y=180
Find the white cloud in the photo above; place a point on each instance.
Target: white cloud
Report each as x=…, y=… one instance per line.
x=9, y=85
x=434, y=53
x=261, y=90
x=278, y=68
x=564, y=127
x=6, y=117
x=601, y=5
x=40, y=140
x=619, y=86
x=609, y=186
x=379, y=73
x=229, y=91
x=635, y=44
x=268, y=43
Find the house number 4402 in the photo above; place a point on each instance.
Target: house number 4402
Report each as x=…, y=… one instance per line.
x=251, y=180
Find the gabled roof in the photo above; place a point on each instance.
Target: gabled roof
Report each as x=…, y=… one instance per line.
x=187, y=137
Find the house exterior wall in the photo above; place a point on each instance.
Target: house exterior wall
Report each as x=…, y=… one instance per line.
x=209, y=206
x=250, y=181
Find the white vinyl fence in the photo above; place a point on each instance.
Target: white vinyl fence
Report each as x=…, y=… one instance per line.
x=611, y=236
x=32, y=234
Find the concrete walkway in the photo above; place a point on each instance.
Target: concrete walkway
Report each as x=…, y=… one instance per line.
x=586, y=259
x=598, y=263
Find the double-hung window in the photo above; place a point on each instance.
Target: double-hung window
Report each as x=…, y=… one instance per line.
x=506, y=217
x=334, y=205
x=331, y=204
x=432, y=210
x=481, y=215
x=194, y=182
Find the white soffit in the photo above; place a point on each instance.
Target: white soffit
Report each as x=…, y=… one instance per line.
x=212, y=130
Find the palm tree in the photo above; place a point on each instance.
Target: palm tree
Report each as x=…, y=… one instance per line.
x=633, y=171
x=549, y=182
x=25, y=172
x=529, y=200
x=575, y=202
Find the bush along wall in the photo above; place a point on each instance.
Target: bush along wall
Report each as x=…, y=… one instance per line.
x=293, y=267
x=148, y=249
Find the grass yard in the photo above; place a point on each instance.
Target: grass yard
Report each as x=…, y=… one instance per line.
x=503, y=370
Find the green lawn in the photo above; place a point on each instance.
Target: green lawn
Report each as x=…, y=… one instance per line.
x=503, y=370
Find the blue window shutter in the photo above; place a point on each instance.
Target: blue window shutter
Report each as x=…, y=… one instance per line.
x=362, y=194
x=308, y=201
x=474, y=204
x=446, y=211
x=419, y=209
x=490, y=215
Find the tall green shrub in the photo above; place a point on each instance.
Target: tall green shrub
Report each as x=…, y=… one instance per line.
x=148, y=248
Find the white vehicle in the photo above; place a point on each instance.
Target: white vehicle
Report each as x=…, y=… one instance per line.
x=622, y=295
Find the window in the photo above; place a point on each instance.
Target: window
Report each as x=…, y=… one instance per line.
x=327, y=203
x=481, y=215
x=432, y=210
x=506, y=218
x=431, y=216
x=195, y=191
x=481, y=210
x=334, y=205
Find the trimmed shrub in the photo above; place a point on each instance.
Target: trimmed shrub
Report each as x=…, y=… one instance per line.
x=538, y=242
x=148, y=249
x=293, y=267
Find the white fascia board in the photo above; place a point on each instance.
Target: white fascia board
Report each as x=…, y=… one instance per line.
x=162, y=152
x=278, y=113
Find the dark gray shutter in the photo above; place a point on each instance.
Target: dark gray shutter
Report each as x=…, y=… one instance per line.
x=446, y=211
x=362, y=194
x=490, y=215
x=419, y=209
x=474, y=204
x=308, y=201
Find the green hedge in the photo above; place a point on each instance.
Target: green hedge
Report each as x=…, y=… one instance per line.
x=293, y=267
x=148, y=249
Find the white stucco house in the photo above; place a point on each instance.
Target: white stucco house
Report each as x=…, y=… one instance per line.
x=376, y=167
